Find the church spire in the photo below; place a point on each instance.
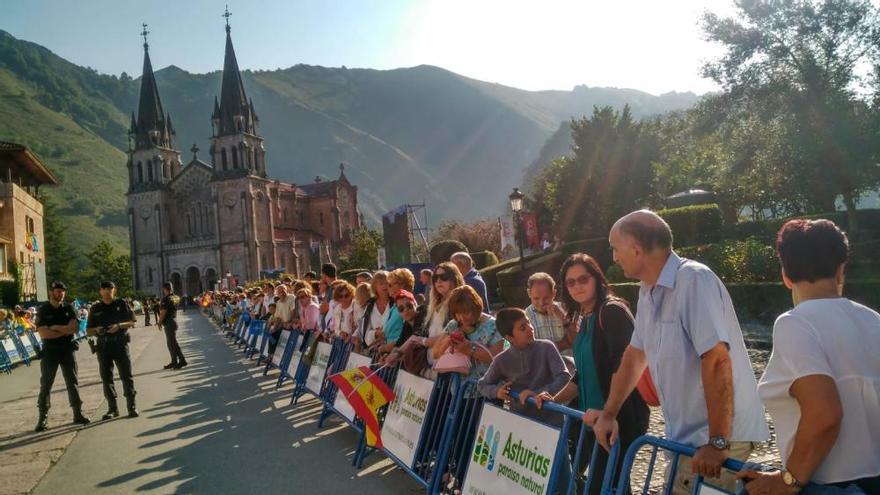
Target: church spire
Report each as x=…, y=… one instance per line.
x=235, y=114
x=150, y=128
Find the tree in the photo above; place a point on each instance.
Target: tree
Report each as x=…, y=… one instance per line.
x=798, y=63
x=102, y=263
x=609, y=175
x=61, y=256
x=362, y=251
x=480, y=235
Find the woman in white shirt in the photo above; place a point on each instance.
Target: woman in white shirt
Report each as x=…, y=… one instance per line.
x=342, y=323
x=445, y=278
x=822, y=383
x=376, y=311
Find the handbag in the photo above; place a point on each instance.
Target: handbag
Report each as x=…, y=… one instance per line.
x=453, y=362
x=645, y=385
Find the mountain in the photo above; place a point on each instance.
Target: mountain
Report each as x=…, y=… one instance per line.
x=406, y=135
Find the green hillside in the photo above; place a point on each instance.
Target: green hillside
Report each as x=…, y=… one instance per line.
x=406, y=135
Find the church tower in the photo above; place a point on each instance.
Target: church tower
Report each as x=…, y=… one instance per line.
x=153, y=161
x=152, y=164
x=236, y=149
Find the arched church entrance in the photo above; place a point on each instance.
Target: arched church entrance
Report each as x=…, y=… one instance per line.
x=193, y=282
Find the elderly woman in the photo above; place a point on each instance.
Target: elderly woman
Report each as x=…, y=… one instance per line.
x=822, y=383
x=341, y=323
x=480, y=342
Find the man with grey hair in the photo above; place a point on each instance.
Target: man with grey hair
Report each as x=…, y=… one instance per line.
x=545, y=314
x=687, y=333
x=472, y=277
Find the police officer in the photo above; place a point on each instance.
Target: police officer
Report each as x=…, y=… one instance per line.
x=109, y=320
x=56, y=324
x=168, y=320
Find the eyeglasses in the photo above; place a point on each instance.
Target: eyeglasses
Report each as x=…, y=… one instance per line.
x=444, y=276
x=582, y=280
x=344, y=296
x=405, y=307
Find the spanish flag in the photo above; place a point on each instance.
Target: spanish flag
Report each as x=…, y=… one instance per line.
x=366, y=392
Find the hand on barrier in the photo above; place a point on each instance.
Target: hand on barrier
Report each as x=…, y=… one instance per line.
x=590, y=417
x=708, y=460
x=765, y=483
x=524, y=395
x=541, y=398
x=606, y=430
x=503, y=392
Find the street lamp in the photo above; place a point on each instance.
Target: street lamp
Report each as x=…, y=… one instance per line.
x=516, y=204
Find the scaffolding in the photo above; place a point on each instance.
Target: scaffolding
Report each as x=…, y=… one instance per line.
x=418, y=240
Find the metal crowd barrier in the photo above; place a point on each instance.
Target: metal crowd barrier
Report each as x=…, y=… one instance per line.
x=448, y=432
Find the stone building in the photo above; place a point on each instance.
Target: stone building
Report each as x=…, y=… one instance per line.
x=21, y=219
x=194, y=224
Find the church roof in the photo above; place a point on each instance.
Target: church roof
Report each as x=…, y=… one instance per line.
x=318, y=188
x=150, y=118
x=233, y=100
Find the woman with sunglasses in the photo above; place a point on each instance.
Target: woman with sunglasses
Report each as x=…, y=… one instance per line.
x=413, y=325
x=342, y=322
x=599, y=327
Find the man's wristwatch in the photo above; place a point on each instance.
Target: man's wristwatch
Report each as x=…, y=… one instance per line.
x=790, y=481
x=719, y=443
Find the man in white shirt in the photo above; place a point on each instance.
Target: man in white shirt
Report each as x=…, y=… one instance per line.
x=283, y=306
x=687, y=332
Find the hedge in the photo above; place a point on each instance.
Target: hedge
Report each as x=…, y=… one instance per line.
x=351, y=274
x=691, y=225
x=512, y=281
x=734, y=261
x=483, y=259
x=443, y=250
x=490, y=273
x=869, y=225
x=766, y=301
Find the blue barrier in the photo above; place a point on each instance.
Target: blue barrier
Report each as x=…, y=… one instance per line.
x=282, y=347
x=289, y=367
x=8, y=354
x=21, y=348
x=256, y=338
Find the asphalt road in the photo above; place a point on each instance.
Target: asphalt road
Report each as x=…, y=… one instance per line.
x=217, y=426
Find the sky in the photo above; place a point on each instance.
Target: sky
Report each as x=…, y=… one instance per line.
x=653, y=46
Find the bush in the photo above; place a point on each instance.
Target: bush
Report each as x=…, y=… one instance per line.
x=483, y=259
x=734, y=261
x=596, y=247
x=512, y=281
x=490, y=274
x=869, y=225
x=442, y=250
x=692, y=225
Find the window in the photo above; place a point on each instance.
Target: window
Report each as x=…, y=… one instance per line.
x=140, y=173
x=3, y=258
x=234, y=158
x=29, y=224
x=223, y=158
x=150, y=171
x=321, y=217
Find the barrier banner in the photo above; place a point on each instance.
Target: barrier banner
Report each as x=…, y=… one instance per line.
x=319, y=367
x=406, y=415
x=295, y=358
x=280, y=347
x=11, y=350
x=341, y=404
x=512, y=455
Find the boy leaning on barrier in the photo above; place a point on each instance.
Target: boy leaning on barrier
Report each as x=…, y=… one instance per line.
x=529, y=366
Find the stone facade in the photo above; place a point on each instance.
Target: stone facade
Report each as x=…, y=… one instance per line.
x=197, y=223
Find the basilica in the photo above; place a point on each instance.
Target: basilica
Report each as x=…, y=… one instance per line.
x=223, y=221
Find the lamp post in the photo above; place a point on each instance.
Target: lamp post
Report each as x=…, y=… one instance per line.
x=516, y=204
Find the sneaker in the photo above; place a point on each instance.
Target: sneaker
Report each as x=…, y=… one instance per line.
x=110, y=414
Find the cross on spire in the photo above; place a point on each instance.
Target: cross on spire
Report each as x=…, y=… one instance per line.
x=144, y=33
x=227, y=15
x=195, y=152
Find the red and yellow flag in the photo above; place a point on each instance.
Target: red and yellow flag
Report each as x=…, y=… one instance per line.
x=366, y=392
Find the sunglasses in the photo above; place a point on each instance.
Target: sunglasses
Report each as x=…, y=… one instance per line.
x=405, y=307
x=582, y=280
x=445, y=276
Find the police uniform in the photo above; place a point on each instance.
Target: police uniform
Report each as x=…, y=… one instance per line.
x=58, y=352
x=112, y=348
x=169, y=325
